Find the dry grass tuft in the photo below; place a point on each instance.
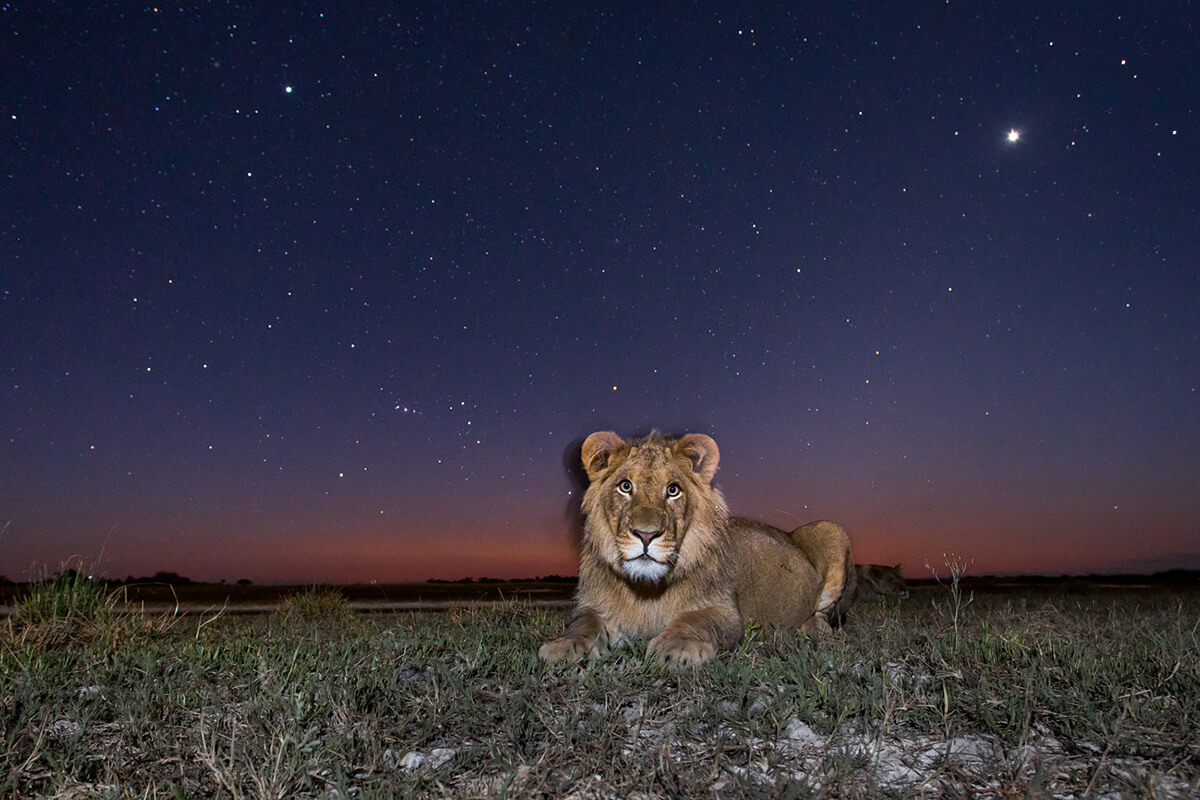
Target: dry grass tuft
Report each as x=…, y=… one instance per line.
x=74, y=609
x=316, y=604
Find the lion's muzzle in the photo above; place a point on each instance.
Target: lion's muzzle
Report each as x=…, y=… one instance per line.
x=646, y=556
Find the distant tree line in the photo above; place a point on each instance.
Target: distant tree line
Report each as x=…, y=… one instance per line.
x=543, y=579
x=173, y=578
x=72, y=575
x=1172, y=577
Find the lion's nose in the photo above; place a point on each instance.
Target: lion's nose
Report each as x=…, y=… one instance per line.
x=646, y=536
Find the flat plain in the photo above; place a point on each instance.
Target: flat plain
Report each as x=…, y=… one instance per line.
x=1064, y=691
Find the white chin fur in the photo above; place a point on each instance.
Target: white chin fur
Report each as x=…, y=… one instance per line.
x=643, y=569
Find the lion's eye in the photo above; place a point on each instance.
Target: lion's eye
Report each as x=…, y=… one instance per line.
x=625, y=487
x=673, y=490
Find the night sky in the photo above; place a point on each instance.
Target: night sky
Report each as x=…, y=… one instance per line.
x=324, y=293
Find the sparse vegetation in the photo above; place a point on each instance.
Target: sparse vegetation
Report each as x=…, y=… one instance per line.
x=956, y=605
x=1046, y=694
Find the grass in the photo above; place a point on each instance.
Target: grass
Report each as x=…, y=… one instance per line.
x=1030, y=694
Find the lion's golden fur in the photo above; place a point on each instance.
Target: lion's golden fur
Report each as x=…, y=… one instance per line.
x=662, y=558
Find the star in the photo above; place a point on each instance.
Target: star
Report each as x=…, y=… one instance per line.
x=1014, y=136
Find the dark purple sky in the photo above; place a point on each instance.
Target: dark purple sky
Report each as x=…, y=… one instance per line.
x=334, y=294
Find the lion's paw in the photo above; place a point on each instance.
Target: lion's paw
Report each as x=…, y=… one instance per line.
x=570, y=648
x=681, y=651
x=817, y=627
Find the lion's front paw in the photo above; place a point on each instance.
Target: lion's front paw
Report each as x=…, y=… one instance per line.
x=571, y=648
x=678, y=650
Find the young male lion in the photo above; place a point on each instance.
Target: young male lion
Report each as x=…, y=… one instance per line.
x=662, y=557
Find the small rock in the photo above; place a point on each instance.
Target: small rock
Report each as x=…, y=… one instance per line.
x=801, y=735
x=413, y=760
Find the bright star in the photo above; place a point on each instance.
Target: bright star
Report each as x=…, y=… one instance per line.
x=1014, y=135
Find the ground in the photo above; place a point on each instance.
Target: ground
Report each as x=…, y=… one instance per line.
x=1059, y=693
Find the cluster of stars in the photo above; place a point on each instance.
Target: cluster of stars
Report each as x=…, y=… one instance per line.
x=584, y=227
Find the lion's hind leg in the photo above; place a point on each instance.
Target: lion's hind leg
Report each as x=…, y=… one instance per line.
x=849, y=585
x=827, y=546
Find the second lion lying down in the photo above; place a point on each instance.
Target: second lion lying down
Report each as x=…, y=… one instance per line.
x=662, y=557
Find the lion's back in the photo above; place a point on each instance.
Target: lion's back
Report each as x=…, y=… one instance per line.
x=777, y=585
x=786, y=577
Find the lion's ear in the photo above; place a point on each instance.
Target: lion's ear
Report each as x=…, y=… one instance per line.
x=598, y=450
x=702, y=451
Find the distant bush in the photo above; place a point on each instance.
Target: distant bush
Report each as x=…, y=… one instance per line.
x=317, y=603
